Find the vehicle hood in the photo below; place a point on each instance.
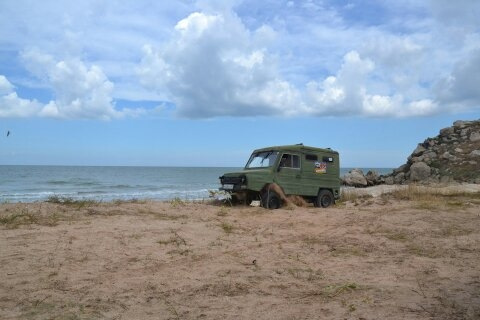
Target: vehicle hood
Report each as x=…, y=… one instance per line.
x=246, y=172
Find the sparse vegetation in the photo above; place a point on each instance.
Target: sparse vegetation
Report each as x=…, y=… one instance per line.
x=175, y=238
x=350, y=262
x=227, y=227
x=222, y=212
x=133, y=200
x=221, y=197
x=332, y=291
x=68, y=201
x=177, y=202
x=16, y=219
x=26, y=217
x=352, y=195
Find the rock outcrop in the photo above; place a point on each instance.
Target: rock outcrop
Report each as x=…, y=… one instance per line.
x=355, y=178
x=451, y=156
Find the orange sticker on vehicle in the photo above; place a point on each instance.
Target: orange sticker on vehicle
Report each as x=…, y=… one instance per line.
x=320, y=167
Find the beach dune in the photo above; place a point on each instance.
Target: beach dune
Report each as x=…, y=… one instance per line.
x=366, y=258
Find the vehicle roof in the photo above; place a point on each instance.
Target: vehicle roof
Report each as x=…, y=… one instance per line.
x=298, y=148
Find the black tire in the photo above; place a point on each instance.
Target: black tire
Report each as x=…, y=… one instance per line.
x=324, y=199
x=271, y=200
x=249, y=198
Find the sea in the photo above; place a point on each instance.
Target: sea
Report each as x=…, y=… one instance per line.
x=38, y=183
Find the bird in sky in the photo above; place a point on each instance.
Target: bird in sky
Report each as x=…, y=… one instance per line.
x=8, y=133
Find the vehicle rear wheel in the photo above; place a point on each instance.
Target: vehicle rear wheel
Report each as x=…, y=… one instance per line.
x=324, y=199
x=271, y=200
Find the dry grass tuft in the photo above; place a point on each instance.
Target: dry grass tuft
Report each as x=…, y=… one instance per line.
x=24, y=217
x=352, y=195
x=432, y=198
x=67, y=201
x=227, y=227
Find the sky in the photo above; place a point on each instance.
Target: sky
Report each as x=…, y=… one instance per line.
x=203, y=83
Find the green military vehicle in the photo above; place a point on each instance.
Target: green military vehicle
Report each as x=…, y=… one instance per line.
x=312, y=173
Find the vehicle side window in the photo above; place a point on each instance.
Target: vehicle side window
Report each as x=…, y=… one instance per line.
x=328, y=159
x=311, y=157
x=290, y=161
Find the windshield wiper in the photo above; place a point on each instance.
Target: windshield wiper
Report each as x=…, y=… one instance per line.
x=266, y=157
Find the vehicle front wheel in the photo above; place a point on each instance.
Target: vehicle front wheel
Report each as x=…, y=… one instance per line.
x=324, y=199
x=271, y=200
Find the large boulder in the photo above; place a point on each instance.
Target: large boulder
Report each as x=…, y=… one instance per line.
x=355, y=178
x=399, y=178
x=373, y=178
x=475, y=153
x=420, y=171
x=475, y=136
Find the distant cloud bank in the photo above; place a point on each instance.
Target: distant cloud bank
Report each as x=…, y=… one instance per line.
x=229, y=60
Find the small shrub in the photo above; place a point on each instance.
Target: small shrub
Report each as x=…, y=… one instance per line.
x=228, y=228
x=14, y=220
x=221, y=196
x=177, y=202
x=68, y=201
x=222, y=212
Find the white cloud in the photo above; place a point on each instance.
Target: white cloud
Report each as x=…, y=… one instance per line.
x=81, y=92
x=246, y=57
x=346, y=93
x=460, y=89
x=214, y=66
x=11, y=106
x=5, y=85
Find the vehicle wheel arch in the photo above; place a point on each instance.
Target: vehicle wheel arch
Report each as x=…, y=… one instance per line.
x=324, y=198
x=269, y=196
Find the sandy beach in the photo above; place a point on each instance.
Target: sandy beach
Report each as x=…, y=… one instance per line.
x=392, y=256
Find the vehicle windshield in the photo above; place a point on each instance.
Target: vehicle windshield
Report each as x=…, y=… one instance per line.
x=262, y=159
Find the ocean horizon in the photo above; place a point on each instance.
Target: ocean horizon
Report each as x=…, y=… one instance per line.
x=31, y=183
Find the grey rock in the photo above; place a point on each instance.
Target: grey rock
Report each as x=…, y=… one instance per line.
x=446, y=179
x=430, y=154
x=399, y=178
x=461, y=124
x=464, y=132
x=458, y=150
x=418, y=150
x=355, y=178
x=475, y=136
x=389, y=180
x=417, y=159
x=446, y=131
x=372, y=177
x=475, y=153
x=419, y=171
x=402, y=168
x=448, y=156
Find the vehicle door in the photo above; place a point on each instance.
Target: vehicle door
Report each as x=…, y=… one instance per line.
x=289, y=173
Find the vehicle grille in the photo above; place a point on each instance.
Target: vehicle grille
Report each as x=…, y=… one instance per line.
x=230, y=180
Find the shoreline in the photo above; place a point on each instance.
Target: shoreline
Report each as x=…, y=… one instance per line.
x=374, y=191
